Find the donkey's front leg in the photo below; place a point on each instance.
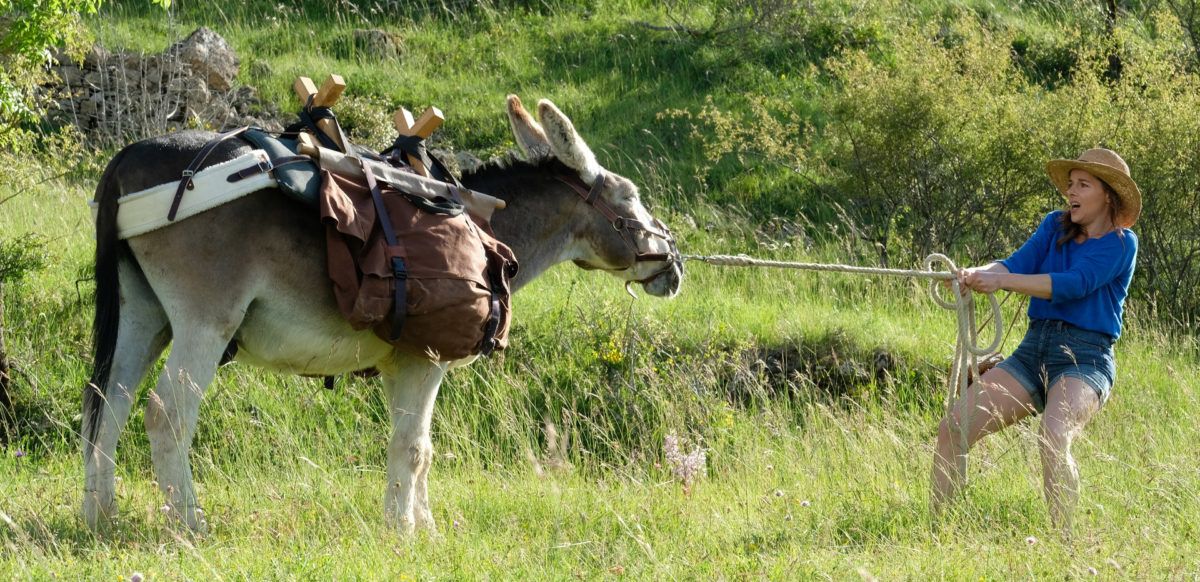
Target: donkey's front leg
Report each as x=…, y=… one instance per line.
x=412, y=386
x=171, y=419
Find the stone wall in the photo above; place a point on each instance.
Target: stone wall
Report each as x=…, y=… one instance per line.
x=123, y=96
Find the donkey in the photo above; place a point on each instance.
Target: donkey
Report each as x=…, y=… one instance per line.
x=251, y=274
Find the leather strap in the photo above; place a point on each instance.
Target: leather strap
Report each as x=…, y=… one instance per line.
x=399, y=271
x=623, y=225
x=267, y=166
x=415, y=146
x=309, y=116
x=488, y=342
x=186, y=182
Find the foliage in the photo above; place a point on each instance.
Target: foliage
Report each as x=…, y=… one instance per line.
x=770, y=132
x=938, y=150
x=1188, y=13
x=21, y=256
x=1151, y=117
x=30, y=33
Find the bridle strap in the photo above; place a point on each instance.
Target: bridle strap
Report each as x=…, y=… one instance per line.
x=592, y=197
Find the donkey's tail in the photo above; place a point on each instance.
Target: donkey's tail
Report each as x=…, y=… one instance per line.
x=109, y=250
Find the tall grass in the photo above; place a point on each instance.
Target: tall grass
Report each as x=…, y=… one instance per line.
x=549, y=457
x=806, y=486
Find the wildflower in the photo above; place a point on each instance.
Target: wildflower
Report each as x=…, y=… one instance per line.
x=804, y=503
x=19, y=453
x=1092, y=571
x=685, y=468
x=1031, y=540
x=165, y=509
x=137, y=577
x=770, y=467
x=778, y=493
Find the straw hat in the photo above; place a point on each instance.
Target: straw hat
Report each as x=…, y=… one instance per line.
x=1108, y=166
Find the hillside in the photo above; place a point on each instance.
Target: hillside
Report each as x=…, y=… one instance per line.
x=823, y=131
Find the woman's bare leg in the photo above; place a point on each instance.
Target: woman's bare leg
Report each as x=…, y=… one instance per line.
x=1070, y=404
x=991, y=403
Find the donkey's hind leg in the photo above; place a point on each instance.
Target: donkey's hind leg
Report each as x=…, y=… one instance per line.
x=142, y=334
x=173, y=409
x=412, y=385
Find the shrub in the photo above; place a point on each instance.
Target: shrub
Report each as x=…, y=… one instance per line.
x=28, y=30
x=937, y=150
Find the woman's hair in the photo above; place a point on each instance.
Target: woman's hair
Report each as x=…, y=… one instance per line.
x=1072, y=230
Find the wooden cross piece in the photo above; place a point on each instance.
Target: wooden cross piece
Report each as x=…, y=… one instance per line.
x=329, y=93
x=422, y=128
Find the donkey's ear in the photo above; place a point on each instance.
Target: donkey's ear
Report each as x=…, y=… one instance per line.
x=528, y=134
x=566, y=143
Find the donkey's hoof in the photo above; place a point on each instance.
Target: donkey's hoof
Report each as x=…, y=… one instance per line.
x=98, y=513
x=186, y=520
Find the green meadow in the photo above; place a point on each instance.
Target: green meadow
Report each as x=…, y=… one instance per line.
x=816, y=131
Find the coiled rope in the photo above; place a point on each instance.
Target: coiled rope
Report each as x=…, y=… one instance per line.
x=966, y=348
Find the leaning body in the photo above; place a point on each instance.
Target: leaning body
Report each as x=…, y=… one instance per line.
x=1076, y=268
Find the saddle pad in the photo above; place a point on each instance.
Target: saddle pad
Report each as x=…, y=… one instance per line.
x=144, y=211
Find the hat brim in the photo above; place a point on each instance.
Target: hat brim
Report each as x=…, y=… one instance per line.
x=1121, y=183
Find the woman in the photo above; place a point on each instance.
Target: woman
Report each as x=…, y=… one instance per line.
x=1076, y=269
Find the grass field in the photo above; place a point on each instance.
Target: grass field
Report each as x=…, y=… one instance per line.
x=550, y=458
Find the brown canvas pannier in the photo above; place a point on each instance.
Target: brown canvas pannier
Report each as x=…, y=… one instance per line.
x=456, y=274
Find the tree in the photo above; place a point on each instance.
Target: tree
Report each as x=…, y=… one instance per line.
x=29, y=31
x=17, y=258
x=1188, y=13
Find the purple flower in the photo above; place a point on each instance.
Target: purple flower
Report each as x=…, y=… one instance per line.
x=685, y=468
x=19, y=453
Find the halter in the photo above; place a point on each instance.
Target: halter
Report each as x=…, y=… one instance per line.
x=627, y=227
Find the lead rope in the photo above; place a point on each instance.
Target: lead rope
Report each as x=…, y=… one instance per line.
x=966, y=347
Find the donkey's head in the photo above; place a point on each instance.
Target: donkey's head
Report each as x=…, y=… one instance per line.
x=618, y=234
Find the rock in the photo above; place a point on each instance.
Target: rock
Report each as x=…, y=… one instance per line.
x=210, y=56
x=377, y=44
x=97, y=57
x=466, y=162
x=70, y=74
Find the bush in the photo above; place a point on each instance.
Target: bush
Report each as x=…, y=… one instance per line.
x=29, y=29
x=945, y=150
x=940, y=144
x=937, y=151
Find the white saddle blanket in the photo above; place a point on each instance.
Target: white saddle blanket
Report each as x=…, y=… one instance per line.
x=144, y=211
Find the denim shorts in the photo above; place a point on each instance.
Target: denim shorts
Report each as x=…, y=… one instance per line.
x=1053, y=350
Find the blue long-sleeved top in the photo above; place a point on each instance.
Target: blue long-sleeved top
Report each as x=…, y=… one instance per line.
x=1089, y=280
